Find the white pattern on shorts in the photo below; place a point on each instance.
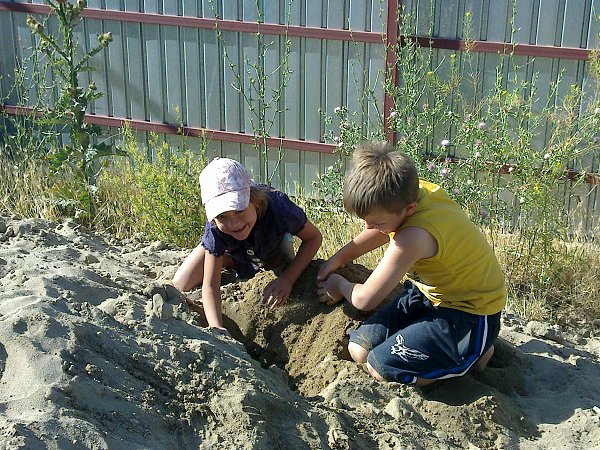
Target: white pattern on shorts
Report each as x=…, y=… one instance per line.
x=404, y=352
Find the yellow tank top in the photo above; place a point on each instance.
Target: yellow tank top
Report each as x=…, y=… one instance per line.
x=464, y=274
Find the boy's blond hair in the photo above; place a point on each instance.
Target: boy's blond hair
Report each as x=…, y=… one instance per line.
x=380, y=177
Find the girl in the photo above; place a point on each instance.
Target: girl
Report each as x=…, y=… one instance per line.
x=249, y=227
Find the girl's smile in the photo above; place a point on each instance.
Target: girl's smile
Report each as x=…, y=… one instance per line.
x=237, y=224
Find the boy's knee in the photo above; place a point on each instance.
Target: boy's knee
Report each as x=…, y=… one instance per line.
x=358, y=353
x=374, y=373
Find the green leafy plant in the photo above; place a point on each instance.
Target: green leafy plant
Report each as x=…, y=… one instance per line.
x=483, y=148
x=81, y=155
x=159, y=198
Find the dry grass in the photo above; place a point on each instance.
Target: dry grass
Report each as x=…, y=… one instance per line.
x=567, y=287
x=24, y=191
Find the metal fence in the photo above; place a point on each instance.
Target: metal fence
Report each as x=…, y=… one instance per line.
x=170, y=65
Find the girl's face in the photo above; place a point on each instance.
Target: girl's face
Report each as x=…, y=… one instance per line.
x=237, y=224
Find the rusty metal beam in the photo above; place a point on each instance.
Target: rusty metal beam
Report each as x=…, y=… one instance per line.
x=314, y=32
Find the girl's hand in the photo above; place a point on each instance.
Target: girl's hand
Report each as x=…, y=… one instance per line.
x=329, y=291
x=277, y=292
x=221, y=330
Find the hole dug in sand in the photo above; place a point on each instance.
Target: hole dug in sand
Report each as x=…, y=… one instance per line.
x=304, y=338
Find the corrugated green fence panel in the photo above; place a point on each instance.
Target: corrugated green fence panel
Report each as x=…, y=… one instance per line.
x=213, y=149
x=293, y=100
x=150, y=71
x=498, y=21
x=232, y=80
x=312, y=89
x=592, y=35
x=273, y=84
x=447, y=16
x=376, y=77
x=378, y=16
x=193, y=86
x=291, y=170
x=134, y=66
x=313, y=14
x=295, y=11
x=233, y=150
x=525, y=23
x=173, y=75
x=251, y=160
x=154, y=82
x=250, y=67
x=117, y=94
x=24, y=40
x=576, y=21
x=335, y=76
x=8, y=55
x=356, y=69
x=310, y=169
x=548, y=31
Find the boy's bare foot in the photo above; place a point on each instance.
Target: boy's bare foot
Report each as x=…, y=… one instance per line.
x=483, y=360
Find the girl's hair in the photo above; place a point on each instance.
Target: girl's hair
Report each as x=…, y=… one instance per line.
x=380, y=177
x=259, y=198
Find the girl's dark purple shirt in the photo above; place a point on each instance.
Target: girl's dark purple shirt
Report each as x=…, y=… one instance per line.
x=281, y=216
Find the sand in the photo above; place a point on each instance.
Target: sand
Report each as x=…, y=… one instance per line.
x=96, y=352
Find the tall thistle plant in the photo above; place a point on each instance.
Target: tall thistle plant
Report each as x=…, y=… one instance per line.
x=81, y=155
x=261, y=88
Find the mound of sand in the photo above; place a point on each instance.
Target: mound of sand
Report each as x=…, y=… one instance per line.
x=95, y=352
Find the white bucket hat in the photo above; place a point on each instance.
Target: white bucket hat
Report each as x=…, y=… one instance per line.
x=224, y=186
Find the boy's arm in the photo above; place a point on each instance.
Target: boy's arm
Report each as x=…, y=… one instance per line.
x=409, y=245
x=211, y=290
x=364, y=242
x=278, y=291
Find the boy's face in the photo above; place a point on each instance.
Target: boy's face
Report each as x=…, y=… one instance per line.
x=237, y=224
x=387, y=222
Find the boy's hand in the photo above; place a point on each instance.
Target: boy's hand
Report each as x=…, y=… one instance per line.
x=329, y=291
x=277, y=292
x=327, y=268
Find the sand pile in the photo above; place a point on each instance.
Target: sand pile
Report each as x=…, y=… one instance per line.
x=95, y=352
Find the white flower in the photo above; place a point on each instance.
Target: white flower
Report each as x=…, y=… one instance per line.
x=337, y=109
x=393, y=114
x=597, y=111
x=445, y=143
x=547, y=156
x=482, y=125
x=336, y=139
x=469, y=182
x=340, y=144
x=521, y=200
x=477, y=155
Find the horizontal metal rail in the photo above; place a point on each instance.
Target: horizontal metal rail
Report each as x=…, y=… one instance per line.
x=545, y=51
x=241, y=138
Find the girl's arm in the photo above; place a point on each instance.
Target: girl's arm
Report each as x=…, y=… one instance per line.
x=278, y=291
x=311, y=242
x=211, y=290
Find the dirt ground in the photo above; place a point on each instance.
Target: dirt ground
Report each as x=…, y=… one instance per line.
x=98, y=351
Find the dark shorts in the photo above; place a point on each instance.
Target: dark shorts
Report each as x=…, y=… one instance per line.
x=410, y=338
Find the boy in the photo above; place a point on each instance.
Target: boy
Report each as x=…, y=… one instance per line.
x=446, y=321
